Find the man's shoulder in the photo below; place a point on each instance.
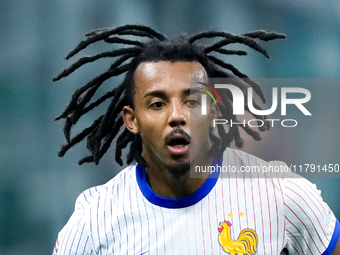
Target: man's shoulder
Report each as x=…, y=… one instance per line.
x=242, y=158
x=122, y=180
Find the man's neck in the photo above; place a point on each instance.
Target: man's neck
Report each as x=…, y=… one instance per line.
x=165, y=183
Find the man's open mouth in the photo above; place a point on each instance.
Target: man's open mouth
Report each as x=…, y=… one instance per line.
x=178, y=142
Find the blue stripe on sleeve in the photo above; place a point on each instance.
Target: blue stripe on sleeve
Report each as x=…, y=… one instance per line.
x=334, y=240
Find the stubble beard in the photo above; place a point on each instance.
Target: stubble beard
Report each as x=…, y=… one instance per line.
x=179, y=170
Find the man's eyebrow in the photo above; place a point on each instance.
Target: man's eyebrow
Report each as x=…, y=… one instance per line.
x=192, y=91
x=155, y=93
x=160, y=93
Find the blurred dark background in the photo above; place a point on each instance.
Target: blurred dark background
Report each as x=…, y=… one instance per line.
x=38, y=189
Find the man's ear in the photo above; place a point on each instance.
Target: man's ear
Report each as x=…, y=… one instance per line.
x=214, y=113
x=130, y=120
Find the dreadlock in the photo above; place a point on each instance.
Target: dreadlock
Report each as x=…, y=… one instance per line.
x=108, y=126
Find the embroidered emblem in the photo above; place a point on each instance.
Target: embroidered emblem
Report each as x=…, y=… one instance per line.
x=246, y=242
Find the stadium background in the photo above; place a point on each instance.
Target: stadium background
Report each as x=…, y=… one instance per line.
x=38, y=189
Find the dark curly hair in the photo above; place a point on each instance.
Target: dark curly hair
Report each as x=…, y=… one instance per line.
x=156, y=48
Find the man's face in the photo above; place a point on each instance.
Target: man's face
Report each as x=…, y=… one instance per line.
x=163, y=104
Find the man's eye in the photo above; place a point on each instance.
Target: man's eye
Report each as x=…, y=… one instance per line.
x=193, y=103
x=157, y=105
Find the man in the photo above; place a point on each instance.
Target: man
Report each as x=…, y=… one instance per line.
x=156, y=207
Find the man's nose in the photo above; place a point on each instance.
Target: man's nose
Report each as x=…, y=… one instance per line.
x=177, y=115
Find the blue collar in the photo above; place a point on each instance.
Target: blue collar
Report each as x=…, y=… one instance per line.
x=182, y=202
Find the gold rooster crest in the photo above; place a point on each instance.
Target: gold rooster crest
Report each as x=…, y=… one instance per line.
x=246, y=242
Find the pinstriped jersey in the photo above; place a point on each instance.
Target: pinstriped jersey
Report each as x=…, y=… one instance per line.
x=230, y=213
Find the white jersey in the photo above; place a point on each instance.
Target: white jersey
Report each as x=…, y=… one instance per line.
x=225, y=215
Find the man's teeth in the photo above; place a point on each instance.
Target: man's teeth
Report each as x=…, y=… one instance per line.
x=178, y=146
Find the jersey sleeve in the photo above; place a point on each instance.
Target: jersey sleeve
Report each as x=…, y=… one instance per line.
x=310, y=225
x=74, y=238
